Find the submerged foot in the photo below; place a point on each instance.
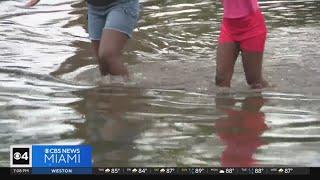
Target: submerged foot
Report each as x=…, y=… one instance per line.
x=119, y=79
x=109, y=79
x=261, y=85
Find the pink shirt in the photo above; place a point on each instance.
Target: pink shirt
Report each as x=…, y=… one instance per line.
x=239, y=8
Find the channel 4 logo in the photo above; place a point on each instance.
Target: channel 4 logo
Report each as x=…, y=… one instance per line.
x=21, y=156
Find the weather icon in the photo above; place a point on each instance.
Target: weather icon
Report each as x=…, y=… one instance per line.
x=280, y=170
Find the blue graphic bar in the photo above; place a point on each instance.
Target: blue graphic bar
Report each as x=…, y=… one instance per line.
x=61, y=159
x=61, y=171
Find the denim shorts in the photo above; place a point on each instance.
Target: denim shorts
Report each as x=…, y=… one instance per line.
x=121, y=16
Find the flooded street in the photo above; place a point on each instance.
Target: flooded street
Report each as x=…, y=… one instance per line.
x=170, y=113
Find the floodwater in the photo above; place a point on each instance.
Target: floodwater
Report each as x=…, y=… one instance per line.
x=170, y=113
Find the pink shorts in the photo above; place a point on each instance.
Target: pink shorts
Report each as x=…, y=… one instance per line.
x=250, y=32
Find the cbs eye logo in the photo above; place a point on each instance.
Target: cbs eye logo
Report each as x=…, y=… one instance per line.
x=20, y=156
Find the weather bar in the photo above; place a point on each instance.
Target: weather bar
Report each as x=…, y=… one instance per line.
x=201, y=171
x=165, y=171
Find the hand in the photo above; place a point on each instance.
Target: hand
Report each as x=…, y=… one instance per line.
x=32, y=3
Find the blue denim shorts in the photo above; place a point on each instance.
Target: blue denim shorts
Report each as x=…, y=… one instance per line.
x=121, y=16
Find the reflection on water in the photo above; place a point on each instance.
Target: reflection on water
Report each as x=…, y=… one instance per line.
x=171, y=114
x=241, y=130
x=106, y=125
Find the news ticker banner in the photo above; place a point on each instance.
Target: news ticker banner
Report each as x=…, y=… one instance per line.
x=77, y=159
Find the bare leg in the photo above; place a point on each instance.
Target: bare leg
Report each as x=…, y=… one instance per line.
x=111, y=45
x=227, y=54
x=252, y=65
x=95, y=44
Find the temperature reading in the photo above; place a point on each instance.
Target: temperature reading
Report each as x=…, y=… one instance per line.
x=169, y=170
x=288, y=170
x=115, y=170
x=258, y=170
x=229, y=170
x=142, y=170
x=198, y=170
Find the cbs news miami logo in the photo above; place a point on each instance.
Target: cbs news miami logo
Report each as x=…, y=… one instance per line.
x=42, y=158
